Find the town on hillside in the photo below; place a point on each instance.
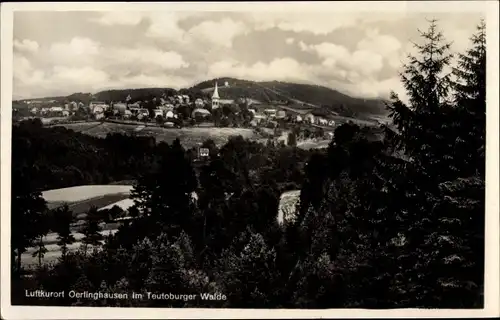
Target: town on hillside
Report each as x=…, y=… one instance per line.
x=311, y=126
x=178, y=111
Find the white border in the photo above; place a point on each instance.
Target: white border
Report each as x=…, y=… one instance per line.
x=492, y=297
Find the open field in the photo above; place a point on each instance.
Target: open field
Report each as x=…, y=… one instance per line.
x=80, y=193
x=189, y=136
x=80, y=199
x=313, y=144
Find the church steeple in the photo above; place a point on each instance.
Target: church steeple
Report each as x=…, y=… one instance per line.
x=216, y=92
x=215, y=97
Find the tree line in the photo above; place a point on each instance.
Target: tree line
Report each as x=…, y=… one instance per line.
x=391, y=223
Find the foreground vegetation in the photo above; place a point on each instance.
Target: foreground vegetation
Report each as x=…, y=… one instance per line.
x=380, y=224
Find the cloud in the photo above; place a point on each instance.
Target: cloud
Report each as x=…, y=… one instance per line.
x=123, y=49
x=165, y=26
x=24, y=72
x=360, y=62
x=85, y=77
x=112, y=18
x=380, y=43
x=79, y=51
x=143, y=56
x=318, y=23
x=278, y=69
x=26, y=45
x=220, y=33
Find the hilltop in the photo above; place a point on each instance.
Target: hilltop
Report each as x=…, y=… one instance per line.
x=268, y=92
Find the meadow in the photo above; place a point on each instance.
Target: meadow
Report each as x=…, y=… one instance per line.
x=189, y=137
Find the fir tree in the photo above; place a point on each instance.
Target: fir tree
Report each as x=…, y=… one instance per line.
x=91, y=229
x=439, y=222
x=422, y=122
x=43, y=228
x=63, y=218
x=470, y=100
x=26, y=210
x=164, y=195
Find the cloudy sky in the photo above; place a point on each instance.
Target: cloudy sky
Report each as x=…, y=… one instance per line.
x=58, y=53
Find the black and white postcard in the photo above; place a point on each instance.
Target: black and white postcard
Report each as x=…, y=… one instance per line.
x=250, y=160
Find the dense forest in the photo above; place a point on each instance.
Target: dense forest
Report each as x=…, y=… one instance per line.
x=392, y=223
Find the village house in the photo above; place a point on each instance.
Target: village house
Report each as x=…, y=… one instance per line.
x=169, y=115
x=158, y=112
x=135, y=105
x=56, y=109
x=98, y=110
x=127, y=114
x=102, y=106
x=281, y=114
x=200, y=112
x=321, y=121
x=309, y=117
x=270, y=113
x=142, y=113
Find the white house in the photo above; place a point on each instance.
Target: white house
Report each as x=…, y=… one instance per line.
x=127, y=114
x=142, y=113
x=322, y=121
x=99, y=116
x=158, y=112
x=56, y=109
x=98, y=109
x=270, y=112
x=309, y=118
x=169, y=114
x=65, y=113
x=280, y=114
